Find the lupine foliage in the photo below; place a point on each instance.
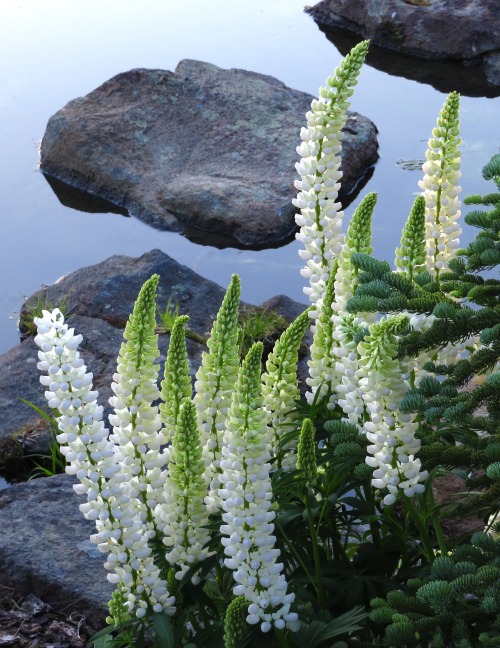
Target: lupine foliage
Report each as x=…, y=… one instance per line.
x=239, y=514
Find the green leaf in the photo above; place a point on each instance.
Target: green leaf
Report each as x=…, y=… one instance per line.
x=101, y=638
x=315, y=633
x=163, y=629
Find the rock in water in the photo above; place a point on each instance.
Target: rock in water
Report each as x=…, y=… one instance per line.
x=467, y=30
x=201, y=150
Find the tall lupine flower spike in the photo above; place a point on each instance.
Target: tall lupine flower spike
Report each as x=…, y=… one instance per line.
x=411, y=255
x=93, y=459
x=320, y=218
x=138, y=440
x=280, y=389
x=136, y=421
x=176, y=384
x=214, y=386
x=246, y=499
x=306, y=453
x=184, y=512
x=348, y=330
x=358, y=239
x=322, y=362
x=391, y=433
x=440, y=188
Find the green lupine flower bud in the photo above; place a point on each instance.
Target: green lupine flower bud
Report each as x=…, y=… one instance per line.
x=214, y=386
x=440, y=189
x=358, y=239
x=322, y=362
x=235, y=622
x=280, y=387
x=411, y=255
x=184, y=511
x=176, y=384
x=118, y=606
x=306, y=453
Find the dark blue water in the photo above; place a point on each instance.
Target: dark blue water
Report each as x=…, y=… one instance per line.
x=55, y=50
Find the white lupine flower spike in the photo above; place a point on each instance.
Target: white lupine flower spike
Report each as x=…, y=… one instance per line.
x=184, y=512
x=320, y=218
x=441, y=190
x=92, y=457
x=391, y=433
x=214, y=386
x=246, y=499
x=138, y=439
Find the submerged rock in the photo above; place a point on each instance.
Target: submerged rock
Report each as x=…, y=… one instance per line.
x=201, y=150
x=467, y=30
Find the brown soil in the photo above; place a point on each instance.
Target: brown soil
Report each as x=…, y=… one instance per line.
x=28, y=622
x=447, y=490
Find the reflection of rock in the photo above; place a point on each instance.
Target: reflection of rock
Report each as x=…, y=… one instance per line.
x=202, y=148
x=83, y=201
x=466, y=30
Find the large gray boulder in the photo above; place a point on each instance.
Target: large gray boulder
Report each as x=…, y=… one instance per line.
x=202, y=150
x=100, y=299
x=45, y=547
x=467, y=30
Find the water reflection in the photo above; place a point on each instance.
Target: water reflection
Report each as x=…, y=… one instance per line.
x=80, y=200
x=443, y=75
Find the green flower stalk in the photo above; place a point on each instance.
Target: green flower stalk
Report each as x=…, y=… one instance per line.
x=358, y=239
x=138, y=439
x=440, y=188
x=411, y=255
x=391, y=433
x=136, y=421
x=348, y=330
x=246, y=499
x=320, y=218
x=322, y=362
x=280, y=389
x=184, y=511
x=306, y=453
x=214, y=386
x=176, y=385
x=235, y=622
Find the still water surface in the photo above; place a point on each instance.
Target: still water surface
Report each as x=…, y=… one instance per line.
x=54, y=51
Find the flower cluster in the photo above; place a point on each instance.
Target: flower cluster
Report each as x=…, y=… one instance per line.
x=246, y=499
x=215, y=384
x=280, y=390
x=391, y=433
x=320, y=218
x=440, y=188
x=108, y=480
